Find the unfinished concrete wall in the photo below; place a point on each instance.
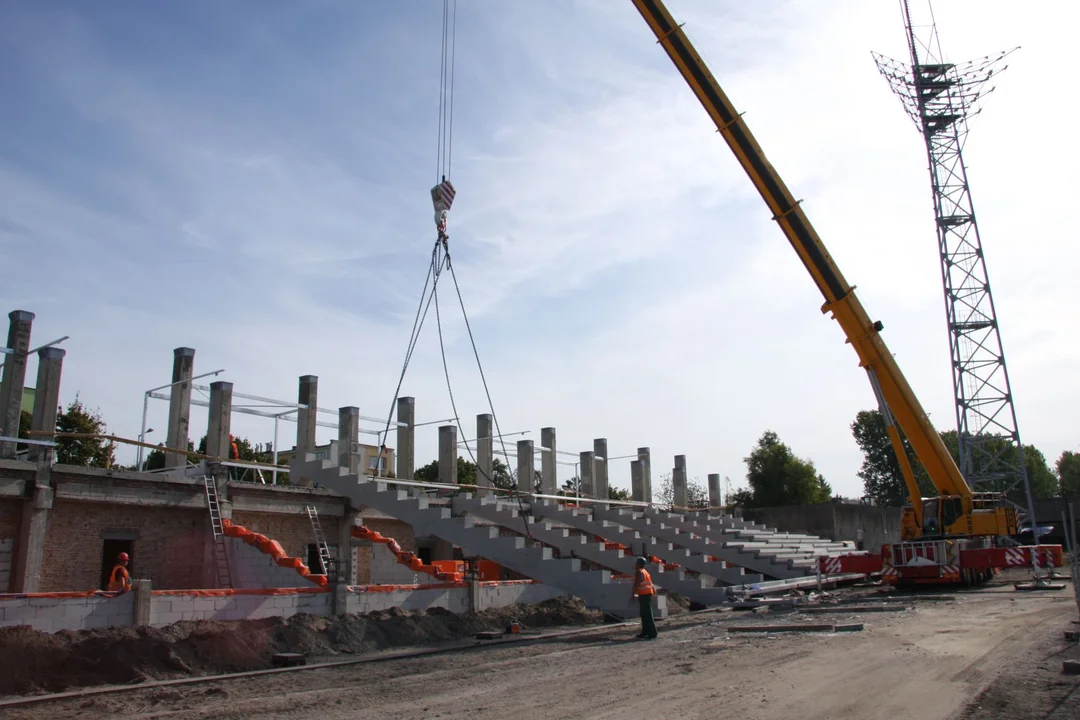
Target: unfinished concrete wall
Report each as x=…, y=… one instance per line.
x=386, y=570
x=872, y=525
x=167, y=544
x=69, y=613
x=167, y=609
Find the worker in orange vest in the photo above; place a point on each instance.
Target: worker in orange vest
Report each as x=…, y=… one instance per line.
x=644, y=591
x=119, y=580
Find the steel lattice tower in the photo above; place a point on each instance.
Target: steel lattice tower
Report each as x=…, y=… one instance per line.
x=940, y=97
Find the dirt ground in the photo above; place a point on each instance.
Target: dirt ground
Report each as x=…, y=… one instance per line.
x=991, y=655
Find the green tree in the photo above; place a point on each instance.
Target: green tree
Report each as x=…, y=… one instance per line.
x=777, y=477
x=1068, y=470
x=614, y=493
x=697, y=496
x=467, y=473
x=85, y=452
x=882, y=479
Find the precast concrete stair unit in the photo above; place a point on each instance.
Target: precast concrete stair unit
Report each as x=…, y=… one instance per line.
x=719, y=529
x=733, y=550
x=507, y=515
x=582, y=519
x=595, y=587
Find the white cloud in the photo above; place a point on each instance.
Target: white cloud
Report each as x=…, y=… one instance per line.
x=622, y=276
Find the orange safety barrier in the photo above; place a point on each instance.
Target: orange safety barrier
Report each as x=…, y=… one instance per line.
x=226, y=592
x=410, y=559
x=273, y=549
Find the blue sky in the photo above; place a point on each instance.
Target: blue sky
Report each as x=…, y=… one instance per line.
x=251, y=180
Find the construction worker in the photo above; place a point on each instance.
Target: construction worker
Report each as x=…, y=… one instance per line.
x=119, y=580
x=644, y=591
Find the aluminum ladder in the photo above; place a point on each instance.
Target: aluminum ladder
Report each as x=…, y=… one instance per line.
x=320, y=540
x=221, y=557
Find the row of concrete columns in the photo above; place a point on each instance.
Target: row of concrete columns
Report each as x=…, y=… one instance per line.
x=46, y=393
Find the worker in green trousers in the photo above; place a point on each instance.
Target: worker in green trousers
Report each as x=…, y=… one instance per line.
x=644, y=591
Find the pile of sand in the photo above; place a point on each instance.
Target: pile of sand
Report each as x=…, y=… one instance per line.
x=34, y=662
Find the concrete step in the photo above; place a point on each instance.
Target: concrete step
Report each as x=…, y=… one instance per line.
x=751, y=560
x=694, y=554
x=595, y=587
x=506, y=515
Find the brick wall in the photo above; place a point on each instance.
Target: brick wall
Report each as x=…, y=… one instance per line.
x=365, y=554
x=10, y=517
x=7, y=557
x=293, y=532
x=251, y=568
x=168, y=546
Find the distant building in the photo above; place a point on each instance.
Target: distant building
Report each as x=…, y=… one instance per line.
x=368, y=456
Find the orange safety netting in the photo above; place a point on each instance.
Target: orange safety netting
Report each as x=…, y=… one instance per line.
x=440, y=570
x=273, y=549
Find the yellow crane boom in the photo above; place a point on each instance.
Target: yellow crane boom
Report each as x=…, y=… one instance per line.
x=862, y=333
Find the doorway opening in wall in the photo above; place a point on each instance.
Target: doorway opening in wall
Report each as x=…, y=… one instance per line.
x=424, y=553
x=110, y=550
x=314, y=562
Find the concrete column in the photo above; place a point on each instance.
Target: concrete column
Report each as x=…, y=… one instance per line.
x=587, y=468
x=526, y=467
x=448, y=454
x=645, y=457
x=46, y=399
x=308, y=394
x=485, y=451
x=637, y=488
x=549, y=477
x=346, y=563
x=11, y=386
x=348, y=438
x=678, y=482
x=143, y=590
x=406, y=438
x=600, y=474
x=714, y=490
x=220, y=422
x=180, y=405
x=30, y=545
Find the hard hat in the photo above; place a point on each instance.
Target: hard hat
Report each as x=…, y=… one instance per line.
x=641, y=562
x=122, y=557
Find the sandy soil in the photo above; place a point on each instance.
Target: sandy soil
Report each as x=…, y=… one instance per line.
x=995, y=653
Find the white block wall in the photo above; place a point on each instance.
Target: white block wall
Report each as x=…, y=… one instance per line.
x=253, y=569
x=7, y=557
x=167, y=609
x=55, y=614
x=386, y=570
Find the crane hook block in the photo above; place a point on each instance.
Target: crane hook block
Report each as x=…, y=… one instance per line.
x=442, y=197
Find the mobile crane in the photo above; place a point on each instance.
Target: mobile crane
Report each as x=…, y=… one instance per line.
x=947, y=538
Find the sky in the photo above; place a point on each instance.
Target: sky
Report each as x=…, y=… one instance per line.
x=251, y=179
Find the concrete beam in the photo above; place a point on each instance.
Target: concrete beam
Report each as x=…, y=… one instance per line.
x=549, y=478
x=637, y=488
x=485, y=450
x=714, y=490
x=307, y=394
x=600, y=473
x=587, y=468
x=14, y=379
x=180, y=405
x=448, y=454
x=526, y=466
x=406, y=438
x=678, y=482
x=349, y=438
x=46, y=399
x=220, y=421
x=645, y=456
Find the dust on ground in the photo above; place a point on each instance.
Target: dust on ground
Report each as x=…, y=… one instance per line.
x=993, y=654
x=34, y=662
